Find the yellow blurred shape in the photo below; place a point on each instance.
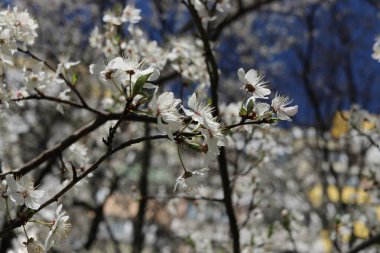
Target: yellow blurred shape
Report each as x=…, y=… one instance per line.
x=326, y=242
x=362, y=197
x=315, y=195
x=378, y=213
x=340, y=124
x=361, y=230
x=333, y=193
x=368, y=125
x=349, y=195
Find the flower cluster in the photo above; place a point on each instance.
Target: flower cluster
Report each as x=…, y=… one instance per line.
x=254, y=85
x=197, y=118
x=186, y=58
x=16, y=26
x=204, y=10
x=22, y=192
x=124, y=75
x=59, y=229
x=129, y=15
x=109, y=41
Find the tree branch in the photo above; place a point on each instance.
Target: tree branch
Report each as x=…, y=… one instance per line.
x=27, y=214
x=222, y=161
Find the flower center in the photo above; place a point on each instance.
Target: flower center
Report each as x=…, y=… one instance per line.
x=108, y=74
x=204, y=148
x=250, y=88
x=24, y=193
x=130, y=72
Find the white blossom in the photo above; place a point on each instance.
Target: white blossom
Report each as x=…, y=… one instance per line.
x=60, y=228
x=280, y=106
x=180, y=182
x=253, y=83
x=65, y=64
x=111, y=18
x=164, y=107
x=22, y=27
x=121, y=74
x=200, y=111
x=33, y=246
x=376, y=49
x=131, y=15
x=23, y=192
x=34, y=76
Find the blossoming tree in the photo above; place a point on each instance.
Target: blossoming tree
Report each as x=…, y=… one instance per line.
x=88, y=135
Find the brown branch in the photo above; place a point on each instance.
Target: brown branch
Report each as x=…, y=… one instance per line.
x=57, y=149
x=60, y=75
x=42, y=96
x=212, y=69
x=138, y=224
x=26, y=215
x=239, y=14
x=189, y=198
x=368, y=243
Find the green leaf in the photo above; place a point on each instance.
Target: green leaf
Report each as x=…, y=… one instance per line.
x=270, y=230
x=243, y=112
x=250, y=106
x=139, y=84
x=74, y=78
x=190, y=242
x=193, y=146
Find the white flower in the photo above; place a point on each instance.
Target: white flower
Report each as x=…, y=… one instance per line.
x=259, y=109
x=23, y=192
x=60, y=228
x=63, y=95
x=202, y=12
x=34, y=76
x=223, y=5
x=180, y=183
x=22, y=26
x=4, y=97
x=3, y=123
x=65, y=64
x=78, y=154
x=33, y=246
x=200, y=112
x=7, y=46
x=109, y=17
x=95, y=39
x=253, y=83
x=120, y=72
x=211, y=147
x=165, y=109
x=376, y=49
x=19, y=94
x=279, y=106
x=131, y=14
x=110, y=49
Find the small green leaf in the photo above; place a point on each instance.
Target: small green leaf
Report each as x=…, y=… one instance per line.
x=270, y=230
x=250, y=106
x=193, y=146
x=140, y=83
x=189, y=242
x=243, y=112
x=74, y=78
